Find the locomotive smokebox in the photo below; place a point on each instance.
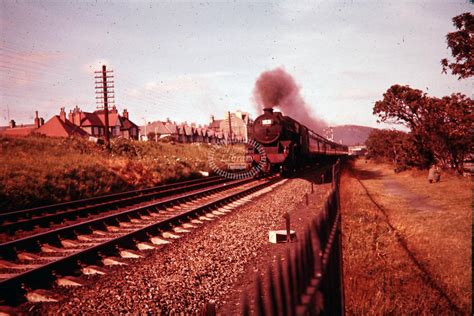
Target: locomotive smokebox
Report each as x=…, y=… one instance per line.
x=268, y=111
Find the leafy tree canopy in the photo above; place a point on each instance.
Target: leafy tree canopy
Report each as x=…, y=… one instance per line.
x=440, y=128
x=461, y=44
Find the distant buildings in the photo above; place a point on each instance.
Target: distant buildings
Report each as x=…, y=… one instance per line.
x=182, y=133
x=159, y=130
x=21, y=130
x=234, y=126
x=77, y=123
x=217, y=130
x=236, y=130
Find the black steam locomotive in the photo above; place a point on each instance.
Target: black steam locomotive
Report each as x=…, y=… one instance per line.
x=287, y=145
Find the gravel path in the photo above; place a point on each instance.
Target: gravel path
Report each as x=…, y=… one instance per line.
x=207, y=264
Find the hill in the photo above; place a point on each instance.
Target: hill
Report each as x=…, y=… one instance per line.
x=351, y=134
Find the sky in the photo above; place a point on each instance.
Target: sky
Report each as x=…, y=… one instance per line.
x=189, y=60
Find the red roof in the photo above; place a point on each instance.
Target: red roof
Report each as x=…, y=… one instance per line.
x=113, y=117
x=98, y=119
x=91, y=119
x=55, y=127
x=19, y=131
x=158, y=127
x=172, y=128
x=188, y=130
x=126, y=123
x=216, y=124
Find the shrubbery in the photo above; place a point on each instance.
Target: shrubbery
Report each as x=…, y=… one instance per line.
x=39, y=170
x=394, y=146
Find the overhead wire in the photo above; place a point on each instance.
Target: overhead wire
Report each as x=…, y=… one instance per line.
x=164, y=99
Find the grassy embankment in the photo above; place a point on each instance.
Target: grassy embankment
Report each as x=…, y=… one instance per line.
x=38, y=170
x=407, y=246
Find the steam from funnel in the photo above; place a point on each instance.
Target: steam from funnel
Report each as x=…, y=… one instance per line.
x=277, y=88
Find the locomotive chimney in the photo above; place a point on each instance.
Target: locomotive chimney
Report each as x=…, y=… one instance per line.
x=268, y=111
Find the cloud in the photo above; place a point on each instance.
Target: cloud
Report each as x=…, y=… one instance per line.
x=190, y=97
x=184, y=84
x=359, y=94
x=178, y=86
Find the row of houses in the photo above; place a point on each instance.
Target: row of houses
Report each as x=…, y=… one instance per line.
x=184, y=133
x=233, y=127
x=92, y=124
x=77, y=123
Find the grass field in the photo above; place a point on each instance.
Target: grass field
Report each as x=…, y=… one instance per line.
x=38, y=170
x=407, y=243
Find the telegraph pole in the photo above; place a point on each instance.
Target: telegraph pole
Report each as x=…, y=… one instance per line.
x=230, y=128
x=104, y=96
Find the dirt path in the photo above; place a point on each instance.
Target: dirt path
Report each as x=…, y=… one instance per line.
x=407, y=243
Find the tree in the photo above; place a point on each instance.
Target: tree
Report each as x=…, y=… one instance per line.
x=449, y=128
x=440, y=129
x=461, y=44
x=406, y=106
x=395, y=146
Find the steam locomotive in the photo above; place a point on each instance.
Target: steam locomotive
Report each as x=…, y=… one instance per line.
x=287, y=145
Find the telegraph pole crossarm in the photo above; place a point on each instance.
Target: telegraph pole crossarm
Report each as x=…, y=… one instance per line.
x=105, y=96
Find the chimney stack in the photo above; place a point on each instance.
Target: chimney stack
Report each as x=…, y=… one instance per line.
x=77, y=116
x=62, y=115
x=37, y=120
x=41, y=121
x=268, y=110
x=12, y=124
x=212, y=118
x=70, y=117
x=125, y=113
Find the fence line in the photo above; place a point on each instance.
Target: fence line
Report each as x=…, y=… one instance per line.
x=310, y=280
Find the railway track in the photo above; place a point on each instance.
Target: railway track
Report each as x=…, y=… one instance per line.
x=57, y=255
x=21, y=223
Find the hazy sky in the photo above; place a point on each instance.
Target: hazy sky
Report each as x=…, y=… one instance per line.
x=188, y=60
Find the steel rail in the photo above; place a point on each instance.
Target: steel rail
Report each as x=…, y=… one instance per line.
x=12, y=288
x=13, y=215
x=8, y=250
x=46, y=218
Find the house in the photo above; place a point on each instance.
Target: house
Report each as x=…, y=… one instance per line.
x=24, y=129
x=173, y=128
x=211, y=136
x=78, y=123
x=94, y=123
x=238, y=129
x=56, y=127
x=215, y=125
x=198, y=135
x=159, y=129
x=186, y=133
